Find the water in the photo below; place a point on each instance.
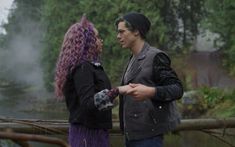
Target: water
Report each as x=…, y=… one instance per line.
x=21, y=102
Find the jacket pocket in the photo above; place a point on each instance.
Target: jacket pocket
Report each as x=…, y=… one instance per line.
x=159, y=112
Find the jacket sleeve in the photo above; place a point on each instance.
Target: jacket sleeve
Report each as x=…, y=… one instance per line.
x=85, y=88
x=104, y=99
x=168, y=86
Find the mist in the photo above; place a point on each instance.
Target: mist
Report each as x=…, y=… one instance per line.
x=21, y=60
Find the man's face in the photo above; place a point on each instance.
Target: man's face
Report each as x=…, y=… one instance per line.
x=125, y=37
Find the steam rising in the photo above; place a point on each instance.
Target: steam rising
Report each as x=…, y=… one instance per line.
x=22, y=57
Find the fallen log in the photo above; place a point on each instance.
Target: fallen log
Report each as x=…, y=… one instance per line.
x=61, y=126
x=23, y=138
x=202, y=124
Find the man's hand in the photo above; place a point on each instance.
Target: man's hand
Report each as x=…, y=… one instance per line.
x=124, y=89
x=141, y=92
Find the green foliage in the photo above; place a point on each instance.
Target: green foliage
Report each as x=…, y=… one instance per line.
x=174, y=25
x=57, y=17
x=192, y=104
x=167, y=31
x=114, y=58
x=25, y=12
x=23, y=24
x=207, y=101
x=225, y=109
x=220, y=20
x=191, y=13
x=213, y=96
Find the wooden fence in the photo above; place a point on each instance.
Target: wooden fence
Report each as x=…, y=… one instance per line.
x=23, y=130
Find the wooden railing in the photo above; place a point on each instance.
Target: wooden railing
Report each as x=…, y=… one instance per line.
x=23, y=130
x=34, y=126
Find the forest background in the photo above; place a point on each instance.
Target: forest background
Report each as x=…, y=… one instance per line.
x=35, y=31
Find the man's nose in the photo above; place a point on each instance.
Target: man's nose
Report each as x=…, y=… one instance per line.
x=118, y=36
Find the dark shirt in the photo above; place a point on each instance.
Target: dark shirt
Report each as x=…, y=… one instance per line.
x=82, y=84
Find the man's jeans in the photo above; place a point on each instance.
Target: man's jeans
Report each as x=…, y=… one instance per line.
x=156, y=141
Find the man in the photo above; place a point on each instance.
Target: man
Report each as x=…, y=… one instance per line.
x=148, y=110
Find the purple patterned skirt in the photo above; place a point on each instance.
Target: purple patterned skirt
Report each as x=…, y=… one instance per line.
x=81, y=136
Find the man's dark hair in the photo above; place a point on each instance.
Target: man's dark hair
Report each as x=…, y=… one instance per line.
x=135, y=21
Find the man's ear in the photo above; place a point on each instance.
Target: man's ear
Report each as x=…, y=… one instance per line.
x=136, y=33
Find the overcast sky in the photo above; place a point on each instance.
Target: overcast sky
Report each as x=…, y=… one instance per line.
x=4, y=9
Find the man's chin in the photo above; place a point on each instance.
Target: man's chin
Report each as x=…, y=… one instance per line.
x=123, y=46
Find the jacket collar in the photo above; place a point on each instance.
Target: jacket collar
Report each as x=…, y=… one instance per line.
x=136, y=66
x=143, y=51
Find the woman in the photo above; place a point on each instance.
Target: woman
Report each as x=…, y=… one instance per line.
x=80, y=78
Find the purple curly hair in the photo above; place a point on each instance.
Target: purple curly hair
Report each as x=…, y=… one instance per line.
x=79, y=45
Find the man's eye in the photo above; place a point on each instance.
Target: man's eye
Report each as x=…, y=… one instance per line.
x=120, y=31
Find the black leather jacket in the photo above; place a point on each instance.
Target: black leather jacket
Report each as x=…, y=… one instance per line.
x=157, y=115
x=82, y=84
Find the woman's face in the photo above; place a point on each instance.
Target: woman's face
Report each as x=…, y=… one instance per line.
x=99, y=41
